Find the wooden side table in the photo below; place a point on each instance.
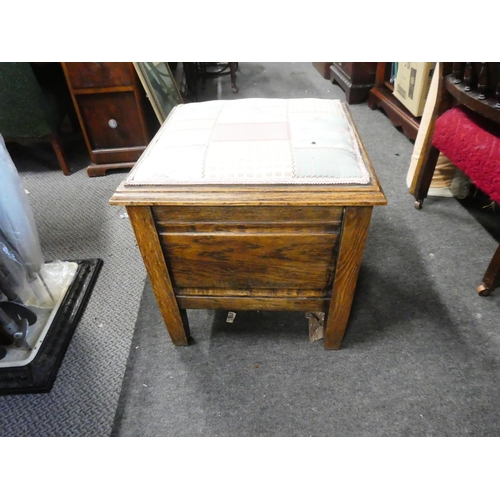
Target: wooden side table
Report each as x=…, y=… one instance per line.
x=253, y=204
x=116, y=118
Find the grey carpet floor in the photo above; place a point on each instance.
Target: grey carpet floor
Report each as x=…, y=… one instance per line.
x=75, y=221
x=420, y=356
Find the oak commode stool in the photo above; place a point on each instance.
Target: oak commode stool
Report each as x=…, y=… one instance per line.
x=253, y=204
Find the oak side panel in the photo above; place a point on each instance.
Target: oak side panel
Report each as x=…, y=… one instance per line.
x=149, y=244
x=352, y=245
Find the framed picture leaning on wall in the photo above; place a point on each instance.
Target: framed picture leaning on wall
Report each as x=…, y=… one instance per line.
x=160, y=87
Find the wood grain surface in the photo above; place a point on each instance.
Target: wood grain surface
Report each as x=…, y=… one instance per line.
x=253, y=247
x=250, y=260
x=149, y=245
x=352, y=244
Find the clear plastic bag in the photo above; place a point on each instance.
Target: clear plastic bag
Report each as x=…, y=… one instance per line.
x=31, y=290
x=52, y=283
x=24, y=276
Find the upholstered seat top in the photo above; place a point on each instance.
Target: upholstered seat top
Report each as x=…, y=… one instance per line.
x=253, y=141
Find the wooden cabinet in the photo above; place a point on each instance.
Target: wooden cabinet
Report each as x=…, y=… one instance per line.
x=323, y=68
x=116, y=118
x=381, y=96
x=232, y=237
x=355, y=78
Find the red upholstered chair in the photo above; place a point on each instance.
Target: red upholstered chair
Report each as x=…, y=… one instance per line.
x=465, y=127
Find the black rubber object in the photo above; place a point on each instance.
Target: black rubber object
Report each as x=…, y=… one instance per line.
x=40, y=374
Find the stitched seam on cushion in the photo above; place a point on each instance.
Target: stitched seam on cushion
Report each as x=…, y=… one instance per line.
x=357, y=152
x=147, y=151
x=204, y=161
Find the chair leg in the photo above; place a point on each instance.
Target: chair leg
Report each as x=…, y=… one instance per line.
x=191, y=75
x=58, y=149
x=425, y=174
x=203, y=74
x=232, y=67
x=491, y=278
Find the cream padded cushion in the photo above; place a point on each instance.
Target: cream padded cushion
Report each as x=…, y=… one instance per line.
x=253, y=141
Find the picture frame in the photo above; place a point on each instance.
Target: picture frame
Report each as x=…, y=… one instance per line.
x=160, y=86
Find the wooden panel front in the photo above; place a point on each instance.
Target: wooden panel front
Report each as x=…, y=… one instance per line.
x=98, y=110
x=247, y=215
x=85, y=75
x=250, y=260
x=249, y=248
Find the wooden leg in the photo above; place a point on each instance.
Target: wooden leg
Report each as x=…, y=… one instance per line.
x=174, y=317
x=491, y=278
x=191, y=74
x=424, y=178
x=58, y=149
x=232, y=67
x=352, y=244
x=203, y=75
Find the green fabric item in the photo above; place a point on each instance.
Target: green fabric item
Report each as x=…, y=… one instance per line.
x=26, y=111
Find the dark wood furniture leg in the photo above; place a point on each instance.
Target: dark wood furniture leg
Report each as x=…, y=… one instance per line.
x=232, y=68
x=425, y=172
x=191, y=73
x=491, y=278
x=55, y=140
x=95, y=170
x=175, y=318
x=352, y=244
x=429, y=155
